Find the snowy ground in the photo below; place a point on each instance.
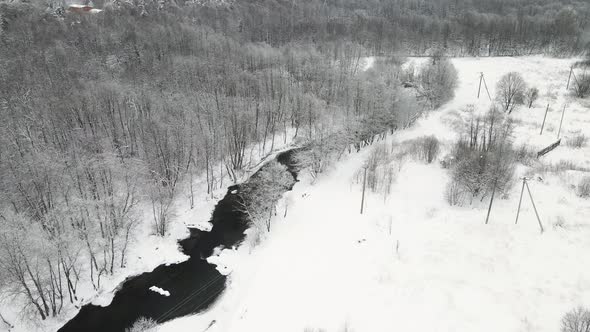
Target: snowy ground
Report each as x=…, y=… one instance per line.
x=411, y=262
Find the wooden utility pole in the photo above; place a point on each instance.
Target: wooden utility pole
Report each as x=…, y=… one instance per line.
x=569, y=78
x=520, y=200
x=525, y=184
x=534, y=207
x=544, y=118
x=560, y=122
x=364, y=186
x=480, y=80
x=491, y=200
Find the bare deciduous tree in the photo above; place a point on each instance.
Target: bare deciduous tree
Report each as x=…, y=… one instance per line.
x=577, y=320
x=259, y=196
x=510, y=91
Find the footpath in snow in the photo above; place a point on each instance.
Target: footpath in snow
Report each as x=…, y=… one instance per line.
x=411, y=262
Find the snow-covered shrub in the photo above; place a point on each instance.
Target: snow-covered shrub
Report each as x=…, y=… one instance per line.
x=560, y=167
x=143, y=324
x=525, y=155
x=260, y=194
x=559, y=222
x=583, y=188
x=483, y=159
x=426, y=148
x=454, y=193
x=577, y=320
x=380, y=170
x=531, y=95
x=582, y=85
x=321, y=152
x=577, y=141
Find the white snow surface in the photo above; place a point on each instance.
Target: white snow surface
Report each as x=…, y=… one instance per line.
x=412, y=262
x=160, y=291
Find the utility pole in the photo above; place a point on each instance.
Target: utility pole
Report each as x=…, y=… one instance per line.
x=364, y=186
x=560, y=122
x=480, y=80
x=520, y=200
x=544, y=118
x=525, y=184
x=534, y=207
x=492, y=200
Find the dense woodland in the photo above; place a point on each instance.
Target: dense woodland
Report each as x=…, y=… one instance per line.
x=107, y=119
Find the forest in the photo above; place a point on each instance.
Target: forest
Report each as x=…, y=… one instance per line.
x=106, y=116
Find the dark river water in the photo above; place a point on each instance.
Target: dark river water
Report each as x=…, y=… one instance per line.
x=193, y=285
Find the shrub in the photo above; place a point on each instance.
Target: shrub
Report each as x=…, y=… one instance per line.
x=483, y=159
x=577, y=320
x=583, y=188
x=143, y=324
x=531, y=95
x=525, y=155
x=582, y=86
x=577, y=141
x=454, y=193
x=380, y=171
x=426, y=148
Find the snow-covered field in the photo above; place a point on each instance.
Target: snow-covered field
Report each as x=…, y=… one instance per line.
x=412, y=262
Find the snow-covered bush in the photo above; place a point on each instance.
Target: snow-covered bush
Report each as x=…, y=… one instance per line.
x=143, y=324
x=426, y=148
x=577, y=320
x=525, y=155
x=260, y=195
x=582, y=85
x=559, y=222
x=531, y=95
x=454, y=193
x=483, y=159
x=380, y=170
x=577, y=141
x=583, y=188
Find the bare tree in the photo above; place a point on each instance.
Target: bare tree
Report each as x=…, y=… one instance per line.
x=258, y=197
x=426, y=148
x=577, y=320
x=510, y=91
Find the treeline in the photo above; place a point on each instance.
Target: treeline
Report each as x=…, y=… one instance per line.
x=412, y=27
x=108, y=119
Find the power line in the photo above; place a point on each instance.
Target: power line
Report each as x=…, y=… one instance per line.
x=189, y=297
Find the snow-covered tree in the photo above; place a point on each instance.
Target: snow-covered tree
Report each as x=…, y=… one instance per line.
x=259, y=196
x=510, y=91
